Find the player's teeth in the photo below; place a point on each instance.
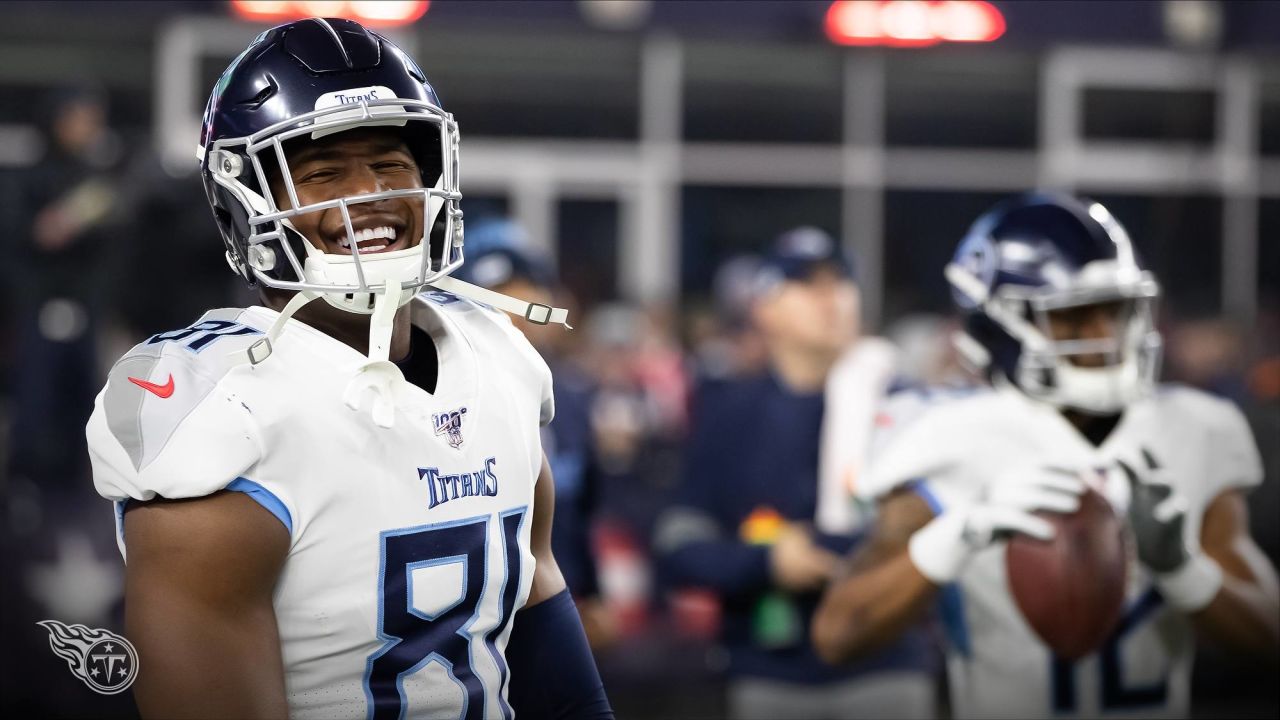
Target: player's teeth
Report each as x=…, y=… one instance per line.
x=373, y=248
x=345, y=243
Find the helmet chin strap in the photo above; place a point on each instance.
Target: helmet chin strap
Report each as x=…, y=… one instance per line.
x=533, y=312
x=261, y=350
x=379, y=375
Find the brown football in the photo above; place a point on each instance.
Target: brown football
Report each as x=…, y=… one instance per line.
x=1071, y=589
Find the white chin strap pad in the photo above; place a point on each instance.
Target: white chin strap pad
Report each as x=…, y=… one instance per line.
x=379, y=375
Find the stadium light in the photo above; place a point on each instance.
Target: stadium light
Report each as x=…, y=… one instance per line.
x=912, y=23
x=382, y=13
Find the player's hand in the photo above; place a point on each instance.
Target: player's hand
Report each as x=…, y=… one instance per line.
x=797, y=564
x=943, y=548
x=1156, y=515
x=1187, y=578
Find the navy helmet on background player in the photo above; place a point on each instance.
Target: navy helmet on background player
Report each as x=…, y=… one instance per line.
x=1039, y=253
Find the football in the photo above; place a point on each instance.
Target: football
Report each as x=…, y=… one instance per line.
x=1071, y=589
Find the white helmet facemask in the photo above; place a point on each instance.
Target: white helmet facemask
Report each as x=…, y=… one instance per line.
x=1131, y=357
x=1047, y=368
x=375, y=284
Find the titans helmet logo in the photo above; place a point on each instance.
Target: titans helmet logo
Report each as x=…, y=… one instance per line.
x=103, y=660
x=449, y=424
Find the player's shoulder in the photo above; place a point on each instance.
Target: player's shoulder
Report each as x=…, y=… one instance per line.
x=481, y=323
x=1188, y=406
x=1190, y=415
x=963, y=407
x=161, y=380
x=934, y=433
x=166, y=399
x=202, y=350
x=493, y=336
x=1205, y=426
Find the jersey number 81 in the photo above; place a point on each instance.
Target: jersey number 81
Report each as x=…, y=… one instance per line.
x=415, y=639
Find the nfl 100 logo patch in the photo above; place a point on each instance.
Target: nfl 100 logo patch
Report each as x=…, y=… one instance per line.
x=449, y=424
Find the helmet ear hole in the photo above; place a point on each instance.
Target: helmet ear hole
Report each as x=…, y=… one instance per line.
x=236, y=252
x=439, y=244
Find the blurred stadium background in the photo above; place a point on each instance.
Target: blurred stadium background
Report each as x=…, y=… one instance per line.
x=643, y=144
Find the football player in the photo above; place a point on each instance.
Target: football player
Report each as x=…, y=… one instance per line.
x=336, y=504
x=1058, y=312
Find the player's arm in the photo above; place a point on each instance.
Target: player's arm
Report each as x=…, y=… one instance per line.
x=879, y=592
x=548, y=581
x=198, y=584
x=919, y=545
x=553, y=674
x=697, y=547
x=1244, y=615
x=1225, y=583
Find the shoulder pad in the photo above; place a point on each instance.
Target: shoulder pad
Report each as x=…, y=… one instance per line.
x=162, y=379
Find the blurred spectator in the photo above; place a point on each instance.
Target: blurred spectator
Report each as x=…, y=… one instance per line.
x=742, y=526
x=643, y=397
x=174, y=252
x=926, y=354
x=504, y=263
x=63, y=220
x=729, y=345
x=59, y=219
x=1209, y=354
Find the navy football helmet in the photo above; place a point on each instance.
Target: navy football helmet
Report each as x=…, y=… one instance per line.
x=1039, y=253
x=305, y=80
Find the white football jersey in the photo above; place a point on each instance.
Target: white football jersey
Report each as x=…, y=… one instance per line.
x=997, y=666
x=409, y=550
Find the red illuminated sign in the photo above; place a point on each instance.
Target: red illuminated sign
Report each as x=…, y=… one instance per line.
x=912, y=23
x=383, y=13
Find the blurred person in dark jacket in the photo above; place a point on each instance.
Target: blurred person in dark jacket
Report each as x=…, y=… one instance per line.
x=505, y=263
x=59, y=220
x=727, y=344
x=743, y=525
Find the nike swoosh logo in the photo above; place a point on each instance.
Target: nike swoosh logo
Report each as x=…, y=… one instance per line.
x=163, y=391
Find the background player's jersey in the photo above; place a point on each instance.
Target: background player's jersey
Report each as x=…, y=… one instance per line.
x=997, y=666
x=409, y=550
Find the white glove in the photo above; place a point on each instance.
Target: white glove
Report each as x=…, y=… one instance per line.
x=942, y=549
